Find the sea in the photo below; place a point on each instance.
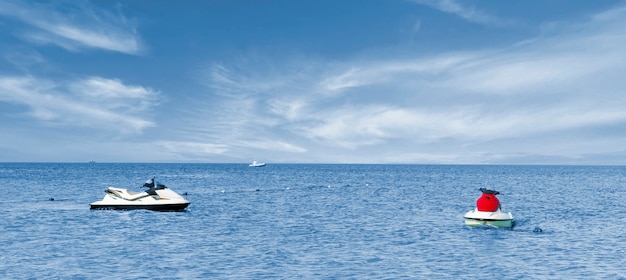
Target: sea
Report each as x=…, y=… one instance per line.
x=313, y=221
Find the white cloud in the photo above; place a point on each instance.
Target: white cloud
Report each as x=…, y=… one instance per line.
x=80, y=26
x=115, y=94
x=470, y=14
x=352, y=127
x=68, y=106
x=343, y=81
x=192, y=149
x=270, y=146
x=559, y=83
x=24, y=59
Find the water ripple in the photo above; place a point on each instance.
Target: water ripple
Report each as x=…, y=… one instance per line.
x=313, y=221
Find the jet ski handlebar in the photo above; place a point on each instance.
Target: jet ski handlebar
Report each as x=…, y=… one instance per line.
x=486, y=191
x=152, y=184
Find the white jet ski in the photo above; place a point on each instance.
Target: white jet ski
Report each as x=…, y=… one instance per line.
x=488, y=212
x=158, y=198
x=257, y=164
x=495, y=219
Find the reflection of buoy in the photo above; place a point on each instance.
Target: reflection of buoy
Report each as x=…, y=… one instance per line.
x=537, y=229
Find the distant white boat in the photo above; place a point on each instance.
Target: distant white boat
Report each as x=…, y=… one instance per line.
x=257, y=164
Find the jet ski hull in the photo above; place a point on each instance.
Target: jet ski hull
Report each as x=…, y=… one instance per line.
x=174, y=207
x=494, y=219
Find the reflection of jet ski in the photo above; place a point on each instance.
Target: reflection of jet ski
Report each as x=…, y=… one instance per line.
x=488, y=212
x=158, y=198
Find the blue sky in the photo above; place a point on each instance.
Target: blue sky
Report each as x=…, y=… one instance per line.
x=368, y=81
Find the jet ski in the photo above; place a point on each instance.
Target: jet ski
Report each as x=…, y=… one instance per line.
x=157, y=198
x=488, y=212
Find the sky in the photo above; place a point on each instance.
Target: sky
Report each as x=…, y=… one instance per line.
x=313, y=81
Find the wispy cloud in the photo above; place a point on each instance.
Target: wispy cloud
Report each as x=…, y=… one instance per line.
x=191, y=150
x=470, y=14
x=115, y=94
x=557, y=83
x=79, y=26
x=24, y=59
x=270, y=145
x=82, y=103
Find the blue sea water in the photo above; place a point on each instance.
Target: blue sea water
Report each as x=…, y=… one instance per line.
x=313, y=221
